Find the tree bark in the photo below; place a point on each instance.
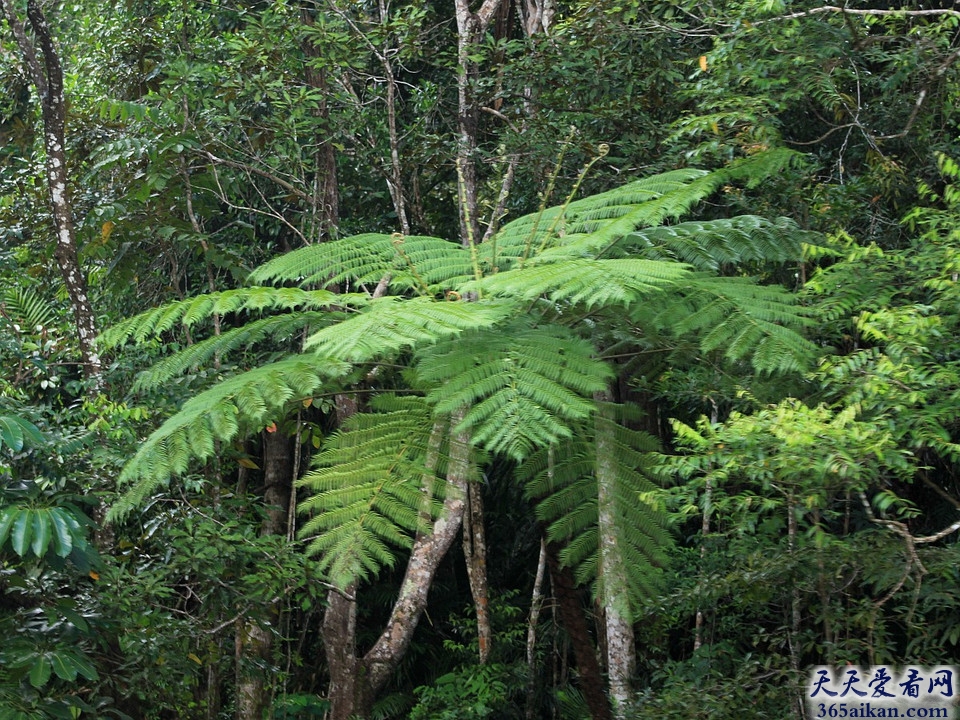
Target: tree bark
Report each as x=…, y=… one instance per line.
x=254, y=640
x=428, y=550
x=327, y=192
x=48, y=79
x=620, y=642
x=574, y=622
x=475, y=552
x=356, y=682
x=470, y=31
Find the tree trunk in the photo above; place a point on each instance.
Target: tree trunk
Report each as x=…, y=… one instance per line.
x=614, y=595
x=48, y=79
x=254, y=641
x=428, y=550
x=475, y=552
x=471, y=28
x=574, y=622
x=356, y=682
x=326, y=186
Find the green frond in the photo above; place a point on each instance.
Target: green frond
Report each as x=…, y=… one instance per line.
x=709, y=244
x=236, y=405
x=390, y=324
x=27, y=308
x=192, y=310
x=585, y=282
x=567, y=493
x=605, y=217
x=523, y=385
x=412, y=262
x=743, y=320
x=279, y=327
x=375, y=485
x=16, y=432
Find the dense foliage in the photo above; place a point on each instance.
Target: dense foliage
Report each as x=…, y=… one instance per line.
x=474, y=360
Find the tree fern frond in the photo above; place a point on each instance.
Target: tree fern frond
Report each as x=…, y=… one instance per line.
x=523, y=385
x=190, y=311
x=277, y=326
x=375, y=485
x=567, y=493
x=743, y=320
x=390, y=324
x=361, y=258
x=585, y=282
x=412, y=262
x=607, y=215
x=237, y=404
x=707, y=245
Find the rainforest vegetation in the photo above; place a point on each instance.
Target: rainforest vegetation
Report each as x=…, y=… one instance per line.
x=506, y=359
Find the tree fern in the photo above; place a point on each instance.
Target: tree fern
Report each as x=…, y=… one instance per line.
x=585, y=282
x=523, y=385
x=742, y=319
x=391, y=324
x=414, y=262
x=276, y=327
x=375, y=485
x=708, y=245
x=642, y=202
x=234, y=405
x=193, y=310
x=563, y=480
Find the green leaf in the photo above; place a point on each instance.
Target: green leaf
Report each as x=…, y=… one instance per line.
x=17, y=432
x=63, y=537
x=41, y=532
x=64, y=664
x=7, y=517
x=40, y=672
x=22, y=530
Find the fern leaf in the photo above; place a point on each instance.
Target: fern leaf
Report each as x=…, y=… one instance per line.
x=707, y=245
x=375, y=485
x=190, y=311
x=390, y=325
x=743, y=320
x=523, y=385
x=27, y=308
x=585, y=282
x=567, y=494
x=604, y=216
x=278, y=327
x=413, y=262
x=237, y=404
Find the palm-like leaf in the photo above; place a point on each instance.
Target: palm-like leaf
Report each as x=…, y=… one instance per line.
x=374, y=486
x=523, y=385
x=234, y=405
x=567, y=491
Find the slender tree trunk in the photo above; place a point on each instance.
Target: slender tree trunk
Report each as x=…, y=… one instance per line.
x=254, y=641
x=575, y=623
x=536, y=602
x=620, y=643
x=475, y=551
x=48, y=79
x=356, y=682
x=339, y=629
x=470, y=32
x=339, y=641
x=327, y=188
x=704, y=531
x=428, y=550
x=794, y=636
